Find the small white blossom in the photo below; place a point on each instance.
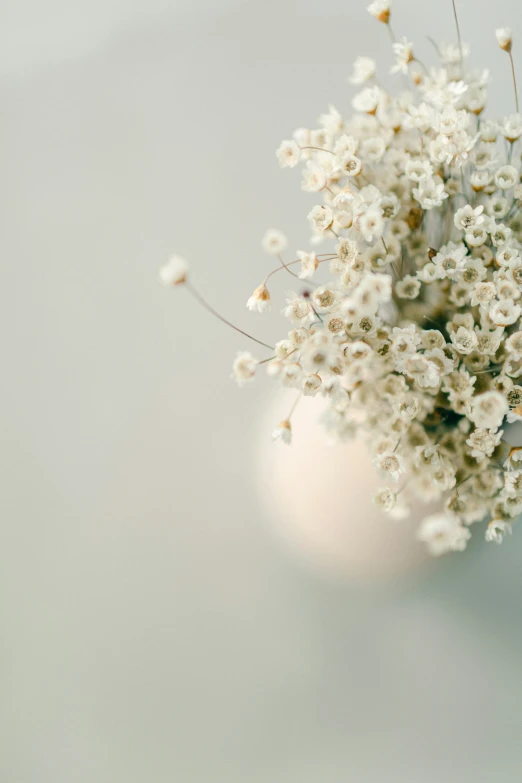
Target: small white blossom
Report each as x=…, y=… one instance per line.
x=297, y=310
x=174, y=271
x=363, y=70
x=309, y=263
x=244, y=367
x=380, y=9
x=403, y=51
x=288, y=154
x=385, y=499
x=260, y=299
x=506, y=177
x=488, y=410
x=467, y=217
x=321, y=217
x=283, y=432
x=504, y=38
x=390, y=464
x=443, y=533
x=367, y=100
x=274, y=242
x=496, y=531
x=430, y=193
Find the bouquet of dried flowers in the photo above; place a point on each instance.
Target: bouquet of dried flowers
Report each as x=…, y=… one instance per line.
x=413, y=338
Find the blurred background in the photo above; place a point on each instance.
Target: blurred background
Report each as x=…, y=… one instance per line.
x=158, y=621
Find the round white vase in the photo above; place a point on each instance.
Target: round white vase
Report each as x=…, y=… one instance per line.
x=320, y=498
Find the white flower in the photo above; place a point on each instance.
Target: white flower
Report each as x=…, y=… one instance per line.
x=512, y=127
x=367, y=100
x=283, y=432
x=351, y=165
x=408, y=288
x=504, y=38
x=297, y=310
x=506, y=177
x=418, y=169
x=288, y=154
x=488, y=410
x=467, y=217
x=385, y=499
x=483, y=442
x=363, y=70
x=309, y=263
x=505, y=312
x=430, y=193
x=496, y=530
x=403, y=51
x=483, y=294
x=321, y=217
x=260, y=299
x=450, y=261
x=314, y=178
x=371, y=224
x=274, y=242
x=380, y=9
x=443, y=533
x=174, y=271
x=244, y=367
x=513, y=483
x=312, y=385
x=390, y=464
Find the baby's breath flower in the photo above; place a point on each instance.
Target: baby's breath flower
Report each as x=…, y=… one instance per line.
x=283, y=432
x=174, y=271
x=443, y=533
x=385, y=499
x=403, y=51
x=497, y=529
x=274, y=242
x=288, y=154
x=415, y=340
x=363, y=70
x=381, y=10
x=506, y=177
x=504, y=38
x=244, y=367
x=260, y=299
x=390, y=464
x=488, y=410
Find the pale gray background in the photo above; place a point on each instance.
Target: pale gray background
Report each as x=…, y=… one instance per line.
x=153, y=628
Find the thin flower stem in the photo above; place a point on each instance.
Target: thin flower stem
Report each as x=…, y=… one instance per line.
x=403, y=487
x=460, y=39
x=416, y=60
x=392, y=34
x=461, y=483
x=319, y=149
x=433, y=43
x=280, y=257
x=317, y=314
x=271, y=358
x=514, y=79
x=329, y=257
x=211, y=310
x=294, y=406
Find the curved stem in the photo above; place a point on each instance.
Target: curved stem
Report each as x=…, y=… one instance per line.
x=211, y=310
x=460, y=40
x=329, y=257
x=514, y=79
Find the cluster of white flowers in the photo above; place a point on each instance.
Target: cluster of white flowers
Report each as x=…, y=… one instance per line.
x=413, y=337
